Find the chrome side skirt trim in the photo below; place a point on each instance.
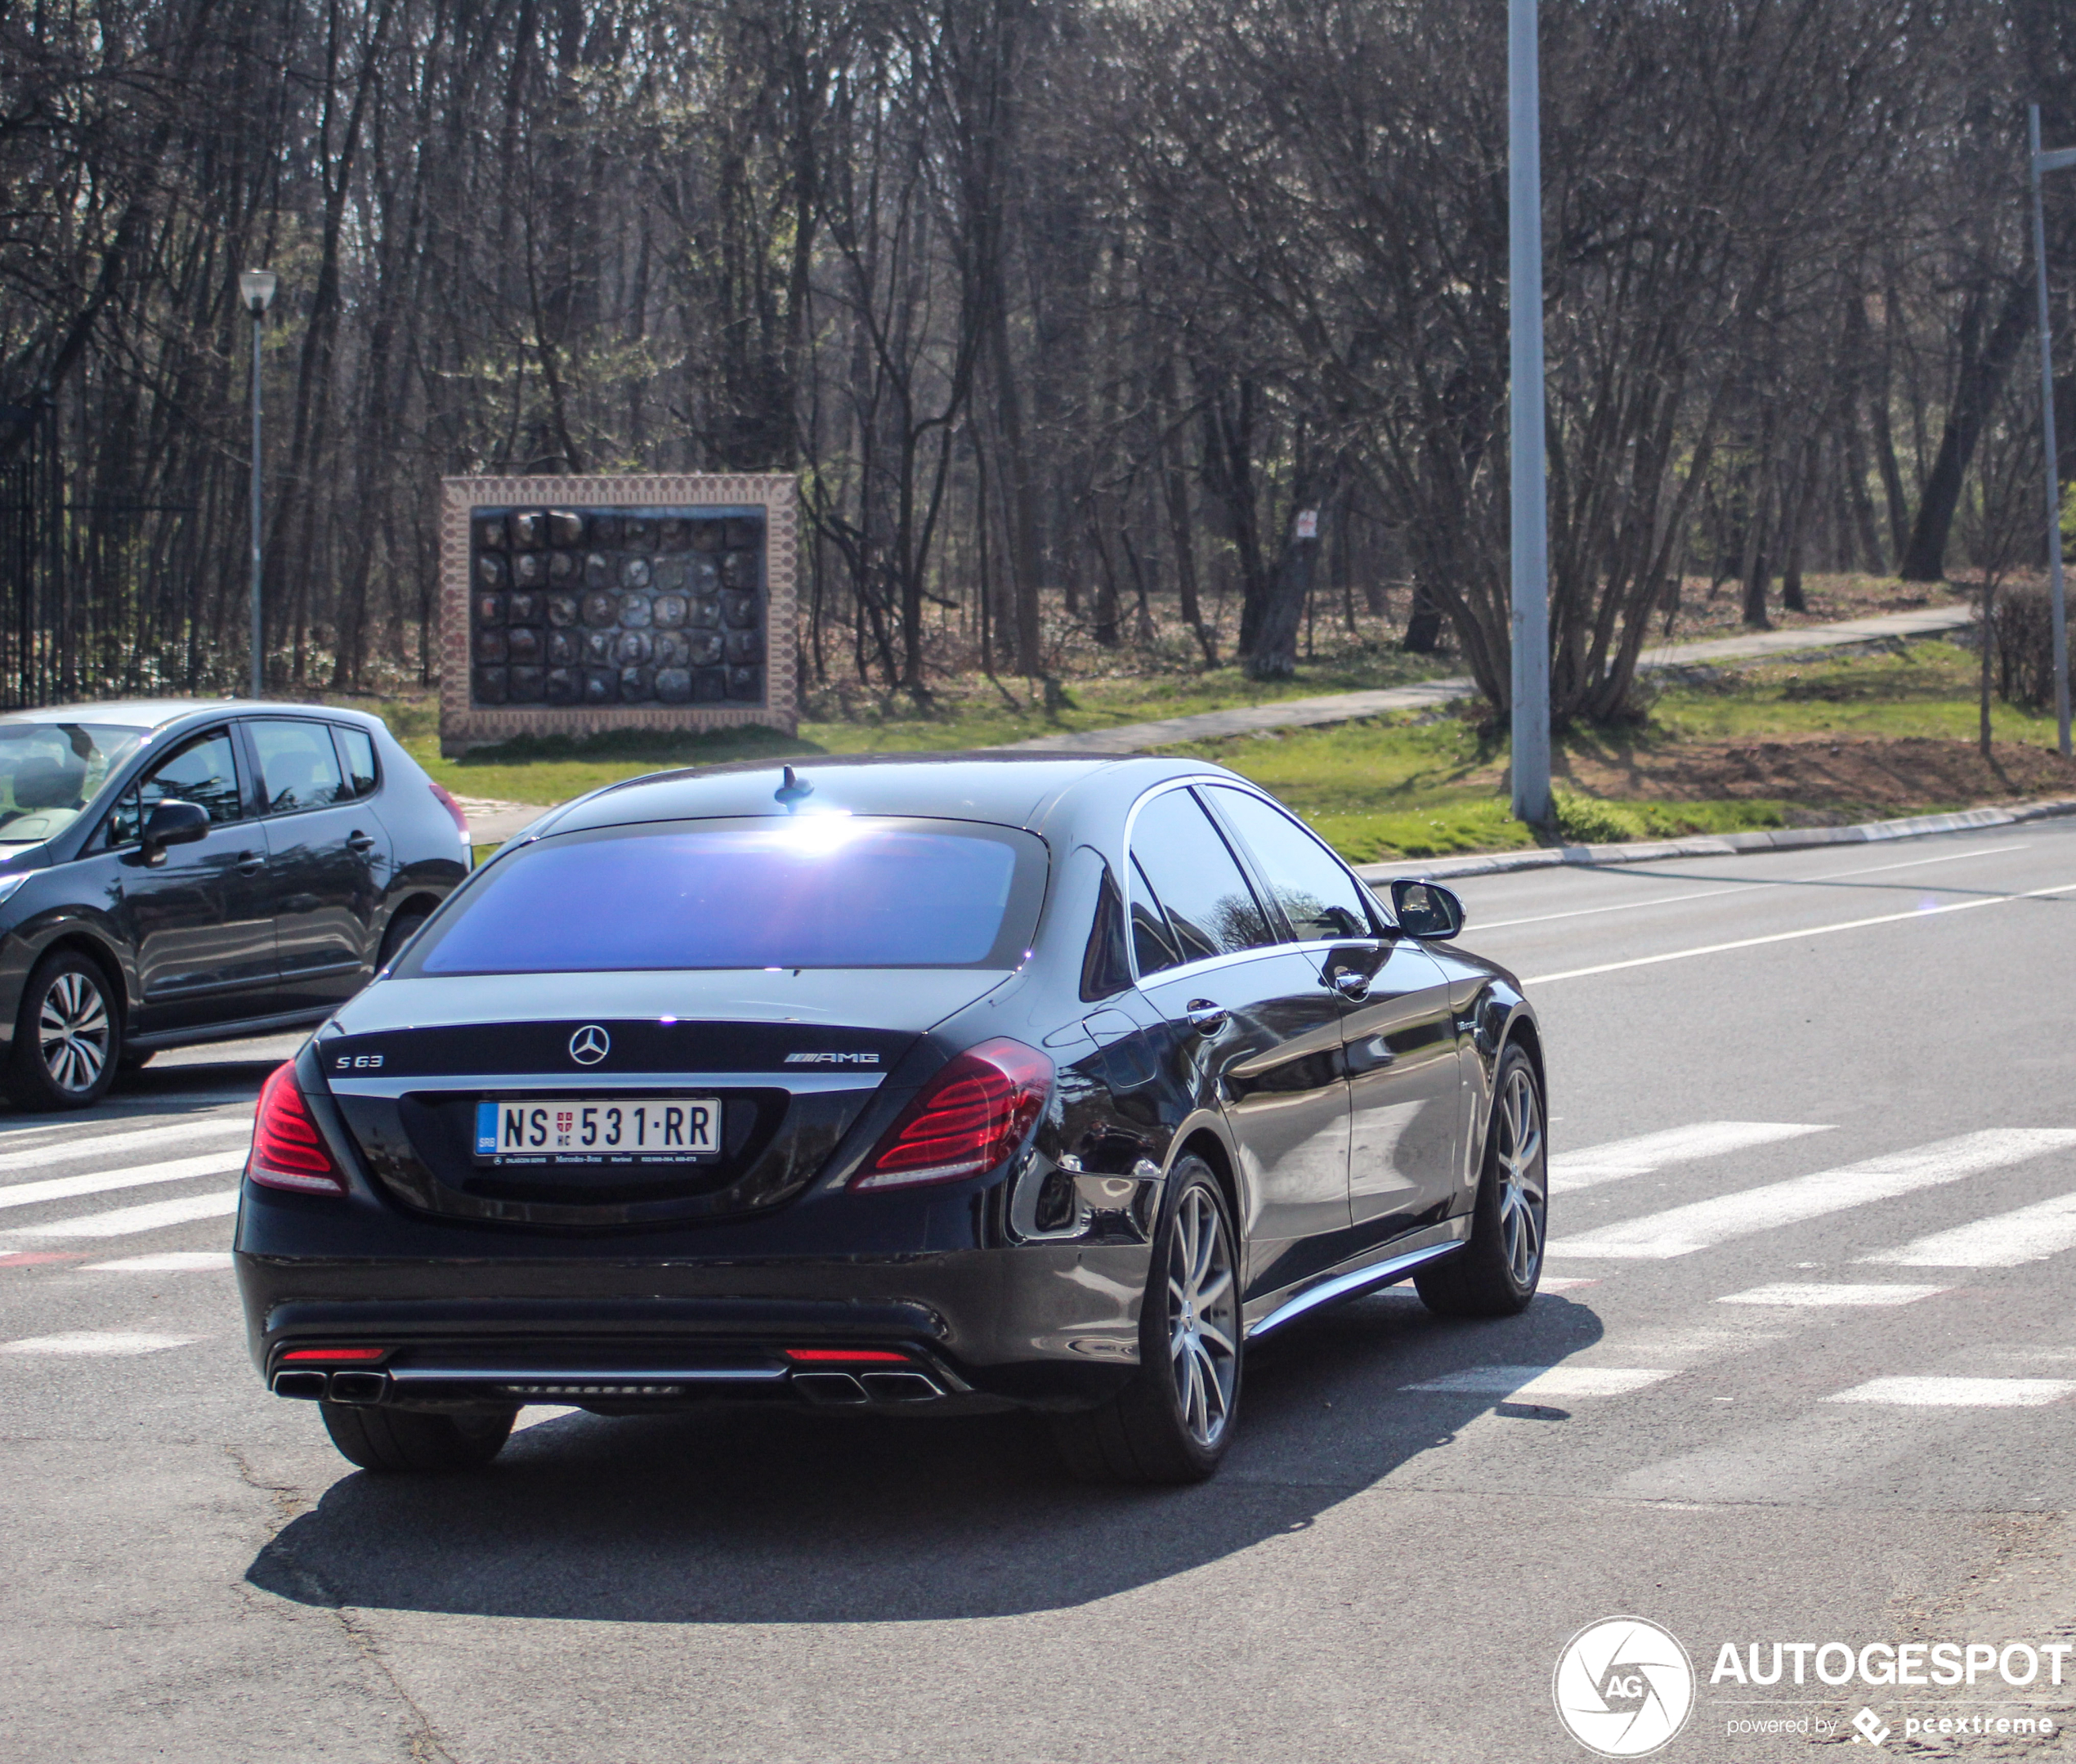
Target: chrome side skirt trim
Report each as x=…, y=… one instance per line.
x=1383, y=1274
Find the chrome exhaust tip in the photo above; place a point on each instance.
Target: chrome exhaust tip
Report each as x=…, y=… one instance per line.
x=307, y=1384
x=359, y=1388
x=901, y=1387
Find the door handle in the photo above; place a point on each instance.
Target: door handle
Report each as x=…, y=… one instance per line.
x=358, y=841
x=1349, y=984
x=1205, y=1017
x=250, y=863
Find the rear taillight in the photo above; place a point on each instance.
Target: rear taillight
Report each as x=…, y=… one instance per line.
x=969, y=1118
x=288, y=1150
x=453, y=807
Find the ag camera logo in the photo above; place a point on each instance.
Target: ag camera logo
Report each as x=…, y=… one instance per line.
x=1623, y=1687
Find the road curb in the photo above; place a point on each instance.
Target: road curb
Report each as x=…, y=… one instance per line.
x=1720, y=845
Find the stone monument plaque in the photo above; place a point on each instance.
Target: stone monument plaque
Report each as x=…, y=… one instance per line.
x=578, y=605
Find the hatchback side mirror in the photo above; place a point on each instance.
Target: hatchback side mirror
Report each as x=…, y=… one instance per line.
x=1426, y=909
x=173, y=823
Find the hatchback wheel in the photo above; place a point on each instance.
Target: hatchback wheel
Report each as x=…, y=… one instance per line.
x=393, y=1439
x=68, y=1038
x=1495, y=1273
x=1173, y=1422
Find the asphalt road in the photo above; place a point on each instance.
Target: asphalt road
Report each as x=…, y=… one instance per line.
x=1803, y=1373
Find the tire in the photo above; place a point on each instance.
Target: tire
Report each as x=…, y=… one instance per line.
x=68, y=1037
x=1495, y=1274
x=391, y=1441
x=1173, y=1422
x=402, y=929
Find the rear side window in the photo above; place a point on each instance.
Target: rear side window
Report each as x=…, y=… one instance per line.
x=818, y=891
x=1210, y=909
x=1319, y=897
x=299, y=767
x=357, y=749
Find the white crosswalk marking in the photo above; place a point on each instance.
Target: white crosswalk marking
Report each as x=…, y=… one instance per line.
x=98, y=1341
x=2030, y=1234
x=125, y=1221
x=1700, y=1225
x=1959, y=1393
x=168, y=1262
x=1529, y=1383
x=104, y=1181
x=1639, y=1156
x=42, y=1156
x=1816, y=1295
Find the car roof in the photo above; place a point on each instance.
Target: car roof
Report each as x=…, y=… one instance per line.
x=1008, y=789
x=157, y=713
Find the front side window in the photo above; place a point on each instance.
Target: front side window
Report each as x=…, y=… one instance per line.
x=299, y=767
x=203, y=772
x=817, y=891
x=51, y=771
x=1210, y=909
x=1319, y=897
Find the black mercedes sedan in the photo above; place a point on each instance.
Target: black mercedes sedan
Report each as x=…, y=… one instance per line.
x=912, y=1085
x=180, y=870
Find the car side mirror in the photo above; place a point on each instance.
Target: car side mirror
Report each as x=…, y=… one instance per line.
x=1426, y=909
x=173, y=823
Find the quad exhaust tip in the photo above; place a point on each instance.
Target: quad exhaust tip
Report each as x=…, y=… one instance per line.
x=838, y=1389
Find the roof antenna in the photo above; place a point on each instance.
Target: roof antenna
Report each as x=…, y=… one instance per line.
x=792, y=791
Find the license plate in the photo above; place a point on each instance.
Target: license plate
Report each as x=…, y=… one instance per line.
x=586, y=1130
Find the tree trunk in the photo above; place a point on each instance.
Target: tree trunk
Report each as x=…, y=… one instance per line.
x=1274, y=654
x=1981, y=379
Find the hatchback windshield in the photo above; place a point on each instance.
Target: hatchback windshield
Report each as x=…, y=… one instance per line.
x=818, y=891
x=50, y=771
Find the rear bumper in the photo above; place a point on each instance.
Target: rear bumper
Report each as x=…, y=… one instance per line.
x=711, y=1313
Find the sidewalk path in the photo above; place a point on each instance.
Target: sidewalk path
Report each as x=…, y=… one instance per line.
x=1345, y=707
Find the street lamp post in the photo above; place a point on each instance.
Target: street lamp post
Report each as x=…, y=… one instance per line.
x=1530, y=513
x=2049, y=162
x=256, y=286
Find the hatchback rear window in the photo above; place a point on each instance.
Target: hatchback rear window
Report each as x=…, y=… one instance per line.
x=817, y=891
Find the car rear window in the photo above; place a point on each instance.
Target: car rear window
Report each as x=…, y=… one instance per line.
x=815, y=891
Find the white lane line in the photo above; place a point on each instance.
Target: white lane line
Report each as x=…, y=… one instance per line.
x=125, y=1221
x=1789, y=936
x=98, y=1341
x=1700, y=1225
x=1753, y=890
x=534, y=1416
x=103, y=1181
x=1788, y=1293
x=1531, y=1382
x=1959, y=1393
x=169, y=1262
x=2030, y=1234
x=1918, y=863
x=1647, y=1152
x=105, y=1144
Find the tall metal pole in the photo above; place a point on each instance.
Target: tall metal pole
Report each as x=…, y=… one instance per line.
x=2054, y=161
x=259, y=639
x=1531, y=515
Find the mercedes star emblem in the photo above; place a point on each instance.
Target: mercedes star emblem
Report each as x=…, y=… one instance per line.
x=590, y=1044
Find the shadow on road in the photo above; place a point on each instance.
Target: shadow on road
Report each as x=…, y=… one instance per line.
x=766, y=1516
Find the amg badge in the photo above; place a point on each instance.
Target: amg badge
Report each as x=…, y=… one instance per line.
x=832, y=1060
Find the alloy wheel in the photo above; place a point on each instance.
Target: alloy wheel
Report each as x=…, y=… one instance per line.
x=72, y=1032
x=1202, y=1316
x=1522, y=1200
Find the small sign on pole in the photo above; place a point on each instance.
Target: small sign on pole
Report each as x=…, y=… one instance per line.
x=1307, y=523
